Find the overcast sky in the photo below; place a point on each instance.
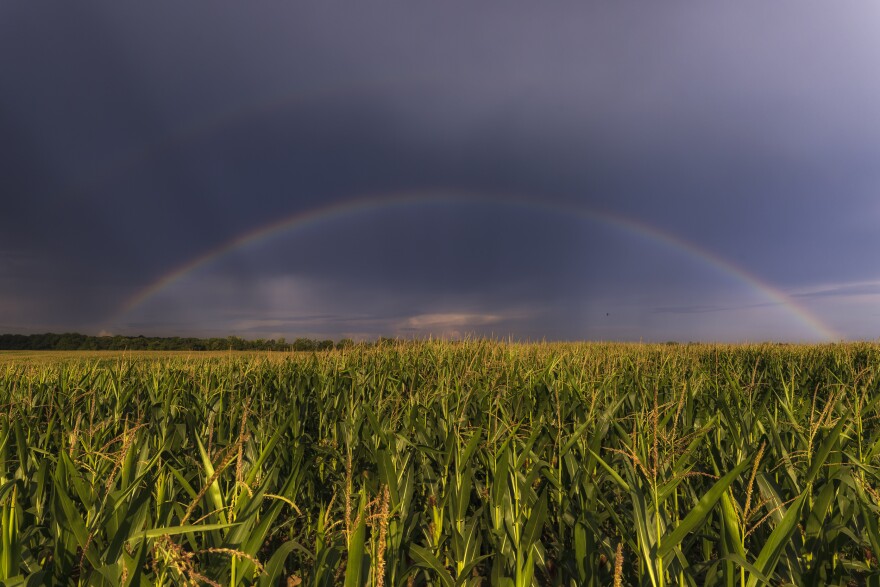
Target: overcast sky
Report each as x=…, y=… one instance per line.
x=571, y=170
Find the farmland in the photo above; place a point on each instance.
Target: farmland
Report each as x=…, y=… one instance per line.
x=444, y=464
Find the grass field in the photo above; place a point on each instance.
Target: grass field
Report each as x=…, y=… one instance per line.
x=443, y=464
x=43, y=357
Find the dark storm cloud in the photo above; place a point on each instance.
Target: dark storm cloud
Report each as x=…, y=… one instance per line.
x=136, y=138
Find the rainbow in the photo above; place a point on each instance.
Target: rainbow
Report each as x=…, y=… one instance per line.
x=355, y=206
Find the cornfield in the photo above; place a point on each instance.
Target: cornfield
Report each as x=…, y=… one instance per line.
x=445, y=464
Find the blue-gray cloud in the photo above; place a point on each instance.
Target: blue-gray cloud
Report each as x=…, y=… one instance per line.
x=135, y=138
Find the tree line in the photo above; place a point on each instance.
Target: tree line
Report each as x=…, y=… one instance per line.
x=74, y=341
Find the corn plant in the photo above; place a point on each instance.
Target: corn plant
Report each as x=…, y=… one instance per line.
x=444, y=463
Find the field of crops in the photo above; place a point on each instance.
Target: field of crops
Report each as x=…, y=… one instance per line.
x=445, y=464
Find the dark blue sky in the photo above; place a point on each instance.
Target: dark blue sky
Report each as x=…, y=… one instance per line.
x=680, y=171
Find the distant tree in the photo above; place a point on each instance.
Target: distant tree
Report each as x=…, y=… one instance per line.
x=235, y=343
x=304, y=344
x=345, y=343
x=77, y=341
